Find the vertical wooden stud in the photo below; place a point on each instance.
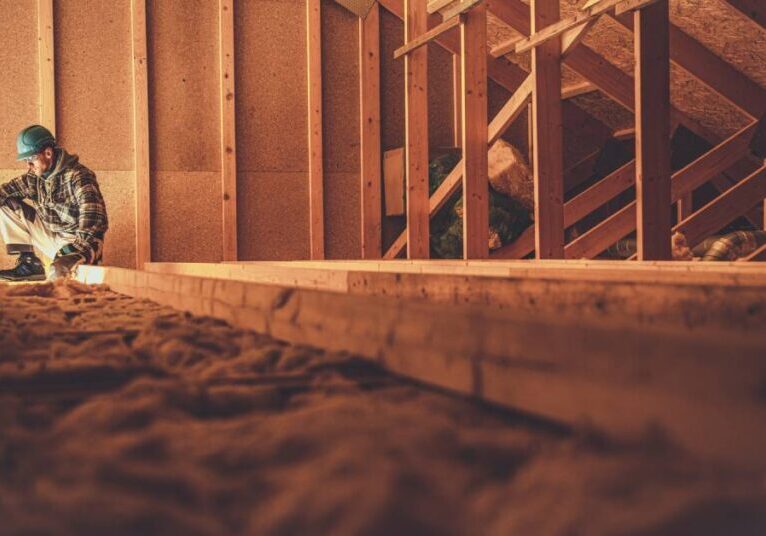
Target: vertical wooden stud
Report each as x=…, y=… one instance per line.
x=141, y=132
x=46, y=64
x=416, y=131
x=547, y=142
x=371, y=165
x=316, y=151
x=457, y=101
x=652, y=83
x=228, y=129
x=473, y=41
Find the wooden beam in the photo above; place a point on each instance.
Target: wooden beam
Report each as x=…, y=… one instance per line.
x=457, y=107
x=316, y=149
x=141, y=163
x=46, y=64
x=757, y=255
x=416, y=132
x=683, y=182
x=724, y=209
x=473, y=37
x=427, y=37
x=753, y=9
x=370, y=142
x=548, y=163
x=652, y=66
x=228, y=128
x=575, y=90
x=717, y=74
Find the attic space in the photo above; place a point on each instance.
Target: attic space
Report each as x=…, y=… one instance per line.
x=383, y=267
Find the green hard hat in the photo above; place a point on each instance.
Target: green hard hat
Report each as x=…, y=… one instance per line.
x=32, y=140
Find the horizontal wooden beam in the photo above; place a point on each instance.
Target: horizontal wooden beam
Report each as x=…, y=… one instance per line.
x=427, y=37
x=568, y=371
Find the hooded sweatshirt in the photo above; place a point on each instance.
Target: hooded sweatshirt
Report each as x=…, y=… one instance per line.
x=68, y=202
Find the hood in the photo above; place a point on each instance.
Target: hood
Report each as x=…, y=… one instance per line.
x=64, y=160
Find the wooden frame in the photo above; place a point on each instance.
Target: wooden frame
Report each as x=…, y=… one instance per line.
x=370, y=136
x=141, y=132
x=547, y=143
x=652, y=78
x=228, y=129
x=416, y=132
x=46, y=64
x=316, y=151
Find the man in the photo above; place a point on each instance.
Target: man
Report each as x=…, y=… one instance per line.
x=56, y=208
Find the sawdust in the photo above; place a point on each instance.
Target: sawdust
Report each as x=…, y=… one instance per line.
x=119, y=416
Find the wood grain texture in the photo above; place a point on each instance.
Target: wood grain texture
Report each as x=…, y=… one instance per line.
x=316, y=151
x=141, y=133
x=416, y=128
x=228, y=129
x=652, y=93
x=548, y=162
x=46, y=64
x=370, y=134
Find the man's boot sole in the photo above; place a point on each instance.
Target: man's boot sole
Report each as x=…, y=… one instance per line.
x=12, y=279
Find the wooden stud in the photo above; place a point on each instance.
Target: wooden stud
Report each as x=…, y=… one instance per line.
x=548, y=159
x=457, y=107
x=473, y=37
x=228, y=129
x=652, y=93
x=141, y=133
x=416, y=130
x=427, y=37
x=370, y=142
x=46, y=64
x=316, y=151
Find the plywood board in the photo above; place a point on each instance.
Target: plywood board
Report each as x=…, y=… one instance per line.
x=118, y=189
x=271, y=86
x=342, y=216
x=186, y=227
x=183, y=87
x=93, y=81
x=18, y=86
x=391, y=81
x=393, y=177
x=268, y=227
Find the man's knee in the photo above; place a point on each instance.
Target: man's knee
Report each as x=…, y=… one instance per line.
x=19, y=207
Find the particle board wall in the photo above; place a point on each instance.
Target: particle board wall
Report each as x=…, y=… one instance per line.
x=340, y=125
x=19, y=83
x=94, y=107
x=184, y=130
x=272, y=129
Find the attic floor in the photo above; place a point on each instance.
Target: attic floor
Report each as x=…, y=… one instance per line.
x=119, y=416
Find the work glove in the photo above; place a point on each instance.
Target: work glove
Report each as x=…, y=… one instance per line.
x=63, y=266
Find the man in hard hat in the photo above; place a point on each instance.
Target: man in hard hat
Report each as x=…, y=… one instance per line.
x=55, y=209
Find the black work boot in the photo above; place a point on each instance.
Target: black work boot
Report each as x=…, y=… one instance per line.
x=28, y=268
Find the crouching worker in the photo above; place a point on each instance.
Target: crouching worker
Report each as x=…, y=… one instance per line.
x=55, y=209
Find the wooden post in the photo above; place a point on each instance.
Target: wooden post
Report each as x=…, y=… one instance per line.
x=141, y=133
x=547, y=143
x=473, y=40
x=316, y=165
x=652, y=94
x=228, y=129
x=457, y=101
x=369, y=99
x=416, y=132
x=46, y=64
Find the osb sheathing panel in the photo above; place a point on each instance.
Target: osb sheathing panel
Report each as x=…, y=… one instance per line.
x=118, y=189
x=718, y=26
x=276, y=227
x=186, y=219
x=440, y=93
x=342, y=214
x=19, y=81
x=183, y=85
x=93, y=81
x=340, y=126
x=272, y=107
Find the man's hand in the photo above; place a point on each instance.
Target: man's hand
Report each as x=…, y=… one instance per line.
x=63, y=266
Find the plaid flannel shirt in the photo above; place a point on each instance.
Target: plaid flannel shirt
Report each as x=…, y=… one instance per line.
x=68, y=202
